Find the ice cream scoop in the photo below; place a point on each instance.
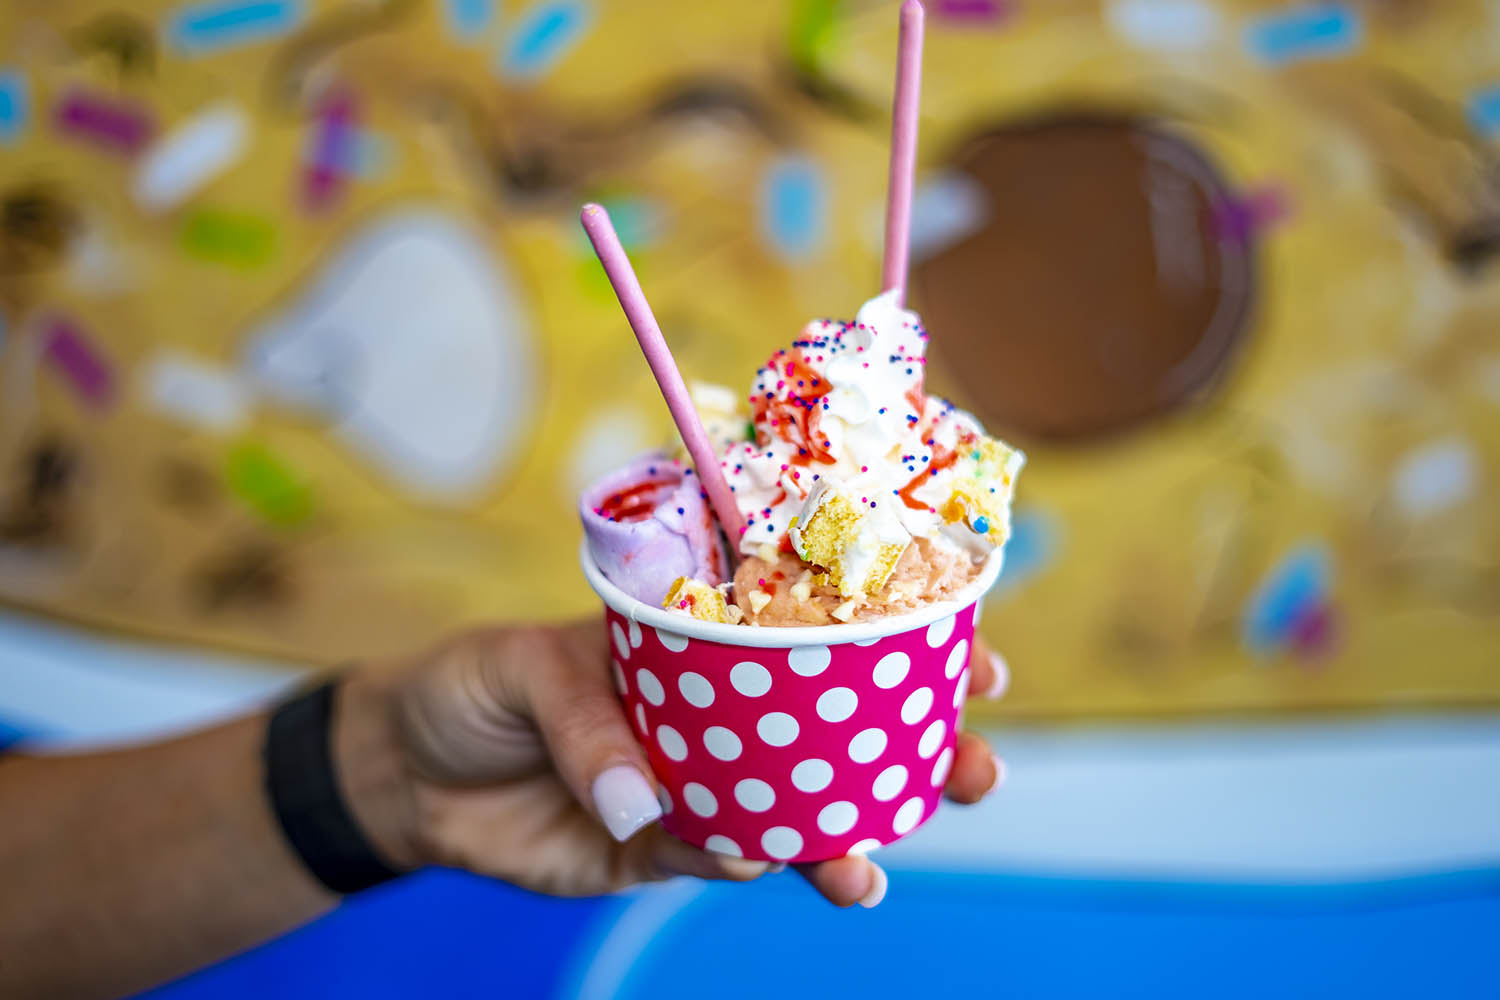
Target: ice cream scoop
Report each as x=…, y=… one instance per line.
x=648, y=524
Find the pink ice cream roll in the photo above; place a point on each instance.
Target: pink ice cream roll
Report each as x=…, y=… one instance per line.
x=648, y=524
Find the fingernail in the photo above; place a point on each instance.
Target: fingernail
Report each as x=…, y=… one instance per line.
x=1001, y=682
x=878, y=884
x=777, y=868
x=744, y=869
x=625, y=801
x=999, y=773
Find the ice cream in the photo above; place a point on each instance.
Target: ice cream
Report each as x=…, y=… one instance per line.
x=862, y=495
x=648, y=525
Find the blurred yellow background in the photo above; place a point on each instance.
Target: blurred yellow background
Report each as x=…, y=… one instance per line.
x=303, y=350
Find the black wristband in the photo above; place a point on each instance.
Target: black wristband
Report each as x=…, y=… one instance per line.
x=305, y=795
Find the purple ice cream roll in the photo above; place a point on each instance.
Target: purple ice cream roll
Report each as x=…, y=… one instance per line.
x=648, y=524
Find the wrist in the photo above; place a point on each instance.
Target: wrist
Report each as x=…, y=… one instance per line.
x=372, y=768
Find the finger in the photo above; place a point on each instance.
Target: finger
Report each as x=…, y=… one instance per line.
x=573, y=703
x=976, y=771
x=846, y=881
x=989, y=674
x=671, y=856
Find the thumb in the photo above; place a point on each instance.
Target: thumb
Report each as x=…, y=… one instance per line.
x=574, y=705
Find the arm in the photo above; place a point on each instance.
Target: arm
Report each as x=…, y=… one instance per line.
x=125, y=869
x=504, y=752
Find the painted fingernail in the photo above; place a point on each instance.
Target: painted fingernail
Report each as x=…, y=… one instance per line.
x=999, y=773
x=1001, y=683
x=625, y=801
x=878, y=884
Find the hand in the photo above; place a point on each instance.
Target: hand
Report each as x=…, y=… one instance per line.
x=515, y=760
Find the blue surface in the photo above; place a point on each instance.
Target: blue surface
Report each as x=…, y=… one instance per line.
x=450, y=935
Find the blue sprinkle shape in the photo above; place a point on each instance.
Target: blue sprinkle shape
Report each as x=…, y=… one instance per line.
x=467, y=18
x=1484, y=111
x=794, y=207
x=220, y=24
x=545, y=34
x=1295, y=586
x=1317, y=31
x=982, y=525
x=15, y=102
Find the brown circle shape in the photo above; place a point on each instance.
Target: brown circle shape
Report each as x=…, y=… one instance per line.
x=1104, y=288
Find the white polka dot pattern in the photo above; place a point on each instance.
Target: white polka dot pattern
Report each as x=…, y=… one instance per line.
x=671, y=742
x=650, y=687
x=907, y=816
x=837, y=817
x=720, y=844
x=809, y=661
x=750, y=679
x=812, y=775
x=837, y=704
x=781, y=842
x=795, y=754
x=754, y=794
x=916, y=706
x=722, y=743
x=696, y=689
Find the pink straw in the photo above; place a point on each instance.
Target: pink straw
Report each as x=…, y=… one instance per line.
x=903, y=150
x=638, y=312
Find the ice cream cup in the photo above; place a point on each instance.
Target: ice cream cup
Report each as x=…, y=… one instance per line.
x=794, y=744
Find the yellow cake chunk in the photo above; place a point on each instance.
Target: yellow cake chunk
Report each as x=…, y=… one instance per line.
x=984, y=481
x=856, y=544
x=698, y=599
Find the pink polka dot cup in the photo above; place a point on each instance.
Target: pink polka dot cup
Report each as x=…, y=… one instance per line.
x=794, y=744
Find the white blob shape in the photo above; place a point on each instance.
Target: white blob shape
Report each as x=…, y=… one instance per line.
x=700, y=800
x=777, y=728
x=618, y=635
x=958, y=658
x=696, y=689
x=619, y=675
x=863, y=847
x=415, y=342
x=1435, y=477
x=946, y=209
x=837, y=704
x=640, y=718
x=907, y=817
x=837, y=818
x=673, y=642
x=197, y=394
x=868, y=642
x=754, y=794
x=961, y=690
x=932, y=738
x=720, y=844
x=192, y=154
x=1165, y=25
x=635, y=634
x=649, y=687
x=750, y=679
x=889, y=783
x=812, y=775
x=892, y=669
x=939, y=631
x=665, y=798
x=809, y=661
x=781, y=842
x=916, y=706
x=671, y=742
x=608, y=434
x=722, y=743
x=943, y=766
x=867, y=746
